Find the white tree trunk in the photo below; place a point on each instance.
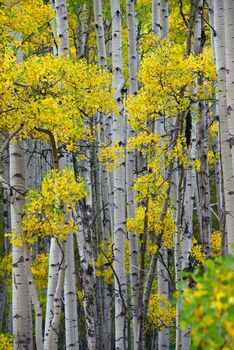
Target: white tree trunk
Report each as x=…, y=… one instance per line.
x=52, y=283
x=100, y=34
x=21, y=303
x=35, y=300
x=62, y=27
x=81, y=35
x=86, y=270
x=70, y=298
x=57, y=304
x=130, y=169
x=156, y=11
x=119, y=209
x=229, y=43
x=164, y=19
x=226, y=157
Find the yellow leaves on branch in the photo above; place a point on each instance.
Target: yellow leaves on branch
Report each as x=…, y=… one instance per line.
x=6, y=341
x=54, y=94
x=49, y=212
x=31, y=19
x=111, y=156
x=197, y=253
x=155, y=226
x=103, y=262
x=216, y=242
x=168, y=81
x=144, y=142
x=161, y=313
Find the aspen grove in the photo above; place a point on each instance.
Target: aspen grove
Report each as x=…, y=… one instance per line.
x=117, y=174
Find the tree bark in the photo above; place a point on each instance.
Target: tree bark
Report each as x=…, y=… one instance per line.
x=226, y=157
x=119, y=196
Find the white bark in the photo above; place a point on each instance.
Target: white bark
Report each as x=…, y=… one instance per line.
x=81, y=35
x=203, y=176
x=164, y=19
x=100, y=34
x=70, y=299
x=52, y=283
x=86, y=270
x=21, y=304
x=163, y=289
x=119, y=210
x=35, y=300
x=62, y=27
x=226, y=158
x=156, y=10
x=130, y=169
x=229, y=43
x=160, y=28
x=57, y=302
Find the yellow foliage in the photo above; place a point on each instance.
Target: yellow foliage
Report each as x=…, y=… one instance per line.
x=49, y=212
x=168, y=78
x=39, y=268
x=214, y=129
x=6, y=341
x=196, y=252
x=179, y=152
x=127, y=256
x=216, y=242
x=54, y=94
x=111, y=156
x=103, y=261
x=161, y=313
x=165, y=227
x=31, y=20
x=208, y=307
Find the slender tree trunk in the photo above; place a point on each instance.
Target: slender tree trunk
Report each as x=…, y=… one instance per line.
x=160, y=28
x=119, y=196
x=229, y=43
x=164, y=19
x=35, y=300
x=203, y=176
x=70, y=298
x=130, y=170
x=57, y=304
x=100, y=34
x=86, y=271
x=156, y=10
x=21, y=303
x=81, y=34
x=228, y=183
x=52, y=283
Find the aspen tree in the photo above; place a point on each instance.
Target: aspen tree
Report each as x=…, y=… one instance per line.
x=229, y=41
x=202, y=140
x=227, y=135
x=21, y=303
x=185, y=223
x=216, y=138
x=119, y=198
x=63, y=277
x=21, y=307
x=130, y=169
x=160, y=28
x=81, y=34
x=227, y=169
x=156, y=12
x=164, y=19
x=105, y=178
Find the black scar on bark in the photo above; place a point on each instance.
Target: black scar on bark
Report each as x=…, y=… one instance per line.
x=188, y=128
